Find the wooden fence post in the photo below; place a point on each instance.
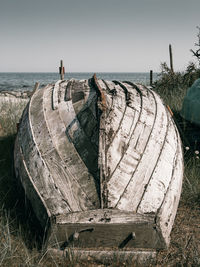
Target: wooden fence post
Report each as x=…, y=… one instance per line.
x=61, y=70
x=171, y=58
x=151, y=77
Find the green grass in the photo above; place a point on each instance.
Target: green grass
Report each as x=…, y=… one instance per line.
x=21, y=239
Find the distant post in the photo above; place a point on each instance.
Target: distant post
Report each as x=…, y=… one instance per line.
x=151, y=77
x=61, y=70
x=171, y=58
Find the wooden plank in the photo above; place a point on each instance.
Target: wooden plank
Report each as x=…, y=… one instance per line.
x=85, y=149
x=47, y=150
x=102, y=216
x=36, y=166
x=68, y=91
x=55, y=95
x=107, y=235
x=101, y=96
x=102, y=162
x=31, y=191
x=167, y=212
x=109, y=90
x=102, y=108
x=66, y=112
x=43, y=145
x=133, y=192
x=117, y=140
x=116, y=113
x=89, y=124
x=106, y=228
x=66, y=165
x=61, y=91
x=133, y=144
x=65, y=107
x=161, y=177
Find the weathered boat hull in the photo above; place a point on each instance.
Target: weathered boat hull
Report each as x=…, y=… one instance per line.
x=190, y=107
x=102, y=162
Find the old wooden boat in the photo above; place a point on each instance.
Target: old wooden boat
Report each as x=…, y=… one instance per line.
x=101, y=163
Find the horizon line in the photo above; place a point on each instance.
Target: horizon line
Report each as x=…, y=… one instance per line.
x=79, y=72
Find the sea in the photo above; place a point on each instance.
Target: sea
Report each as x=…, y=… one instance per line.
x=25, y=81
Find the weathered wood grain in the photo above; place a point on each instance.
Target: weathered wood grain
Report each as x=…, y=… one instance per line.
x=161, y=176
x=36, y=166
x=132, y=147
x=102, y=161
x=133, y=192
x=61, y=162
x=55, y=95
x=84, y=133
x=167, y=211
x=22, y=173
x=106, y=228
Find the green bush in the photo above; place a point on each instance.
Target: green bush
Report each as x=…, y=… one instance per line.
x=172, y=86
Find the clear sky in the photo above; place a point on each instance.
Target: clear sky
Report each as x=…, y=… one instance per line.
x=96, y=35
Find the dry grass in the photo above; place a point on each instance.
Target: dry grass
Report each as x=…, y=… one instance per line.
x=21, y=242
x=184, y=249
